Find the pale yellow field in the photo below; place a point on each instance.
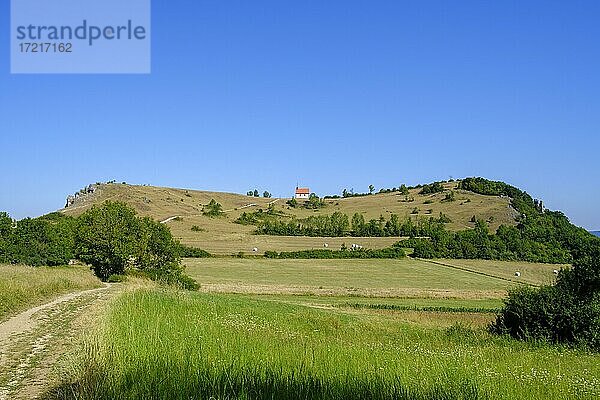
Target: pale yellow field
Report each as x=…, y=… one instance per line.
x=406, y=278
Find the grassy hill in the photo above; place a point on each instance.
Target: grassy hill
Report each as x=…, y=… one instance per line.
x=182, y=209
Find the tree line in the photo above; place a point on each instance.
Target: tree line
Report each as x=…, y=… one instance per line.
x=339, y=224
x=508, y=243
x=111, y=238
x=344, y=253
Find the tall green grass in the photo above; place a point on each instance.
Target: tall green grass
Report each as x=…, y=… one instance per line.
x=159, y=344
x=22, y=287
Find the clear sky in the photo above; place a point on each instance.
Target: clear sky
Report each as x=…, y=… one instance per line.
x=329, y=94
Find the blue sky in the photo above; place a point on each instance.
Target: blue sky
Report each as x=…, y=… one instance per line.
x=328, y=94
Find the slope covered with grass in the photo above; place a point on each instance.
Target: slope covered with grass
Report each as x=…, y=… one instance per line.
x=220, y=235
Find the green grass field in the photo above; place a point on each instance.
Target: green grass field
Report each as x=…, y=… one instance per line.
x=23, y=287
x=159, y=344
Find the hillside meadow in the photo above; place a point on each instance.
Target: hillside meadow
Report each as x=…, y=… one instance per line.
x=222, y=236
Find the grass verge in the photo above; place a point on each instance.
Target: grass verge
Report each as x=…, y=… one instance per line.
x=23, y=287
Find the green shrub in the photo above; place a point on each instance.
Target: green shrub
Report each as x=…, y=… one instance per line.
x=47, y=240
x=292, y=203
x=432, y=188
x=568, y=312
x=450, y=196
x=106, y=238
x=213, y=209
x=191, y=252
x=114, y=278
x=391, y=252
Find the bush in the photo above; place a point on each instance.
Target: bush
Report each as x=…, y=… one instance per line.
x=40, y=241
x=172, y=277
x=391, y=252
x=191, y=252
x=114, y=278
x=443, y=218
x=520, y=200
x=256, y=217
x=432, y=188
x=450, y=196
x=213, y=209
x=568, y=312
x=550, y=314
x=314, y=202
x=292, y=203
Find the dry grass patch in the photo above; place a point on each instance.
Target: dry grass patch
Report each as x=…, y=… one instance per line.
x=22, y=287
x=371, y=278
x=223, y=236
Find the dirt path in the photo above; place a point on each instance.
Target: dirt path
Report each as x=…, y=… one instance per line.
x=32, y=342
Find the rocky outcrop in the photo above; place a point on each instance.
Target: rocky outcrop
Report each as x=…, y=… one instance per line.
x=86, y=191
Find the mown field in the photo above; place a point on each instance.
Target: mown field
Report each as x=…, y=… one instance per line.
x=159, y=344
x=458, y=279
x=22, y=287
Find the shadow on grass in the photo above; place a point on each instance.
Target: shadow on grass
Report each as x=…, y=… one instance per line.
x=163, y=383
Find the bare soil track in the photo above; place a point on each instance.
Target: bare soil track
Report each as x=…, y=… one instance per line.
x=32, y=342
